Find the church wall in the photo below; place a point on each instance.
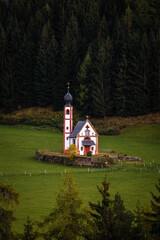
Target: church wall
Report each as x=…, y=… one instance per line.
x=67, y=127
x=92, y=136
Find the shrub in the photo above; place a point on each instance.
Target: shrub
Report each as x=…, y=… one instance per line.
x=110, y=160
x=112, y=151
x=121, y=155
x=72, y=150
x=89, y=153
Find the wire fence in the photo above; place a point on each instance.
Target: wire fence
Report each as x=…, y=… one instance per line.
x=122, y=166
x=136, y=167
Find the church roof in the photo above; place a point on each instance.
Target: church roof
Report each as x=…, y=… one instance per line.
x=77, y=129
x=68, y=99
x=88, y=143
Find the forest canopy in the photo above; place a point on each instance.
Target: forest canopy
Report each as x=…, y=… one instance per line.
x=109, y=51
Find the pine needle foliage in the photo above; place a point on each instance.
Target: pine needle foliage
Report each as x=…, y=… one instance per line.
x=8, y=201
x=153, y=218
x=68, y=221
x=112, y=220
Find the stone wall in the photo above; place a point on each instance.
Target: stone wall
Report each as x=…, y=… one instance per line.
x=97, y=162
x=78, y=161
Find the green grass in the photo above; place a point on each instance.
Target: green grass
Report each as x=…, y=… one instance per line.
x=38, y=190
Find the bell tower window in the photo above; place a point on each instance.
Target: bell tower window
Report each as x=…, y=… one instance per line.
x=67, y=111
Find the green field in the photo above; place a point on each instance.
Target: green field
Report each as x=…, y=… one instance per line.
x=38, y=190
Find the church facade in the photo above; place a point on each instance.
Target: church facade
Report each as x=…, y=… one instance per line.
x=84, y=135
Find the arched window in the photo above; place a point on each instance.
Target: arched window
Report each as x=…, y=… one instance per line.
x=87, y=138
x=67, y=111
x=87, y=132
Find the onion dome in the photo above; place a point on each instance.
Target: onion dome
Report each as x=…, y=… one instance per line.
x=68, y=98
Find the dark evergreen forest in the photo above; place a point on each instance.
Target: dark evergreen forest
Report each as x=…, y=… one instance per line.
x=109, y=51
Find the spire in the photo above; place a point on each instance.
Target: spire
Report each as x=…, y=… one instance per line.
x=68, y=86
x=68, y=97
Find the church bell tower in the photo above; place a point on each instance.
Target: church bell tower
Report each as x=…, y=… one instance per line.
x=68, y=120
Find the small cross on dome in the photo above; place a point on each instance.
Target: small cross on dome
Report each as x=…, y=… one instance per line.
x=68, y=97
x=68, y=85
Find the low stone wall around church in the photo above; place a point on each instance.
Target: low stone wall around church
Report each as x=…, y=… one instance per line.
x=97, y=162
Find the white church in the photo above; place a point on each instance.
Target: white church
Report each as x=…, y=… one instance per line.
x=84, y=136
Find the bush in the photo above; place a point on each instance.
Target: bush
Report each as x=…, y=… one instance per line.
x=34, y=117
x=89, y=153
x=121, y=155
x=72, y=150
x=111, y=161
x=112, y=151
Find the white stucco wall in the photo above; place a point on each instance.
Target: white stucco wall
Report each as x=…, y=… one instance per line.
x=82, y=136
x=68, y=125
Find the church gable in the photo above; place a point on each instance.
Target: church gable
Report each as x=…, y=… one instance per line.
x=88, y=129
x=87, y=139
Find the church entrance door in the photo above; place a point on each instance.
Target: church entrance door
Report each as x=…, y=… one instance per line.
x=86, y=149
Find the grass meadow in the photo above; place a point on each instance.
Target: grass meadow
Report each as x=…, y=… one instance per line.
x=38, y=183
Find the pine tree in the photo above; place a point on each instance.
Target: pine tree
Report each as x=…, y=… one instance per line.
x=14, y=42
x=26, y=65
x=8, y=92
x=158, y=68
x=112, y=220
x=35, y=25
x=138, y=75
x=153, y=72
x=103, y=214
x=68, y=220
x=8, y=200
x=69, y=60
x=45, y=69
x=112, y=10
x=121, y=78
x=3, y=66
x=141, y=230
x=101, y=80
x=29, y=233
x=52, y=69
x=3, y=11
x=84, y=82
x=123, y=220
x=128, y=19
x=154, y=218
x=141, y=15
x=154, y=10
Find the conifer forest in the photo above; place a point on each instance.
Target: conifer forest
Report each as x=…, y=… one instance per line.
x=109, y=51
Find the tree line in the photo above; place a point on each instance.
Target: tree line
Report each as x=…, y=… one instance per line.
x=108, y=219
x=109, y=51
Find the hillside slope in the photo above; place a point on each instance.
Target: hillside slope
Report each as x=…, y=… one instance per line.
x=37, y=116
